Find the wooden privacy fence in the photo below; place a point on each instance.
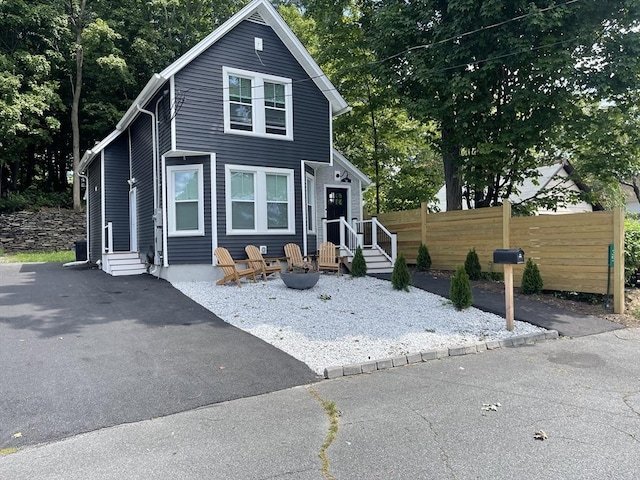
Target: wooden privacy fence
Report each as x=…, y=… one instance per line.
x=571, y=250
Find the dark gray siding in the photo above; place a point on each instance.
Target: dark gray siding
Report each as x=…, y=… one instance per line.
x=94, y=189
x=192, y=250
x=200, y=121
x=164, y=118
x=142, y=171
x=116, y=173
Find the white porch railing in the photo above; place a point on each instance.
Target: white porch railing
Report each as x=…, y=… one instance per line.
x=364, y=233
x=378, y=237
x=108, y=247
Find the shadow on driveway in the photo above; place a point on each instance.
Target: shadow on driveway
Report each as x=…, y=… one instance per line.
x=82, y=350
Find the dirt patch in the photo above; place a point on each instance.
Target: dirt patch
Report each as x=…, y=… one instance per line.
x=631, y=317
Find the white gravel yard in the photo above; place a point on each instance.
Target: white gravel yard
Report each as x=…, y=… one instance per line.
x=345, y=320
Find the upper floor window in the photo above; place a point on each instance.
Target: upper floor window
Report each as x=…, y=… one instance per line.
x=257, y=104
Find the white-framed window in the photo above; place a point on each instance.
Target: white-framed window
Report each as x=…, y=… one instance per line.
x=259, y=200
x=185, y=200
x=310, y=203
x=257, y=104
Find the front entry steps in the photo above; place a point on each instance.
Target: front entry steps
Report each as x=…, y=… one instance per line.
x=123, y=263
x=376, y=261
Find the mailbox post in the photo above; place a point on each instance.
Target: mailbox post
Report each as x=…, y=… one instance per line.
x=508, y=257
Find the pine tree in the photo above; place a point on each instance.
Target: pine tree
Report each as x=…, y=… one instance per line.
x=358, y=264
x=531, y=278
x=423, y=262
x=460, y=292
x=401, y=277
x=472, y=265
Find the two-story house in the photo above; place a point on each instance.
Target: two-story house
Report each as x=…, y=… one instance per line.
x=228, y=146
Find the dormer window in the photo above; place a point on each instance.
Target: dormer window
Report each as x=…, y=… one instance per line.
x=257, y=104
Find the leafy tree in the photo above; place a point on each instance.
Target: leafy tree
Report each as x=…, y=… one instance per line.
x=531, y=278
x=377, y=134
x=472, y=265
x=460, y=292
x=603, y=140
x=423, y=261
x=28, y=90
x=497, y=77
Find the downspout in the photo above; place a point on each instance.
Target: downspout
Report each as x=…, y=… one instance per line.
x=157, y=222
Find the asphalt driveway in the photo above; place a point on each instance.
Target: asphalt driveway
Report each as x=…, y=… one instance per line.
x=81, y=350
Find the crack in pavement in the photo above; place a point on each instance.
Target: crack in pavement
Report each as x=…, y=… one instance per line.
x=333, y=413
x=444, y=457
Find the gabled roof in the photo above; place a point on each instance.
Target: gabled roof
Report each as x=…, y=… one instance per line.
x=548, y=177
x=263, y=12
x=260, y=11
x=342, y=160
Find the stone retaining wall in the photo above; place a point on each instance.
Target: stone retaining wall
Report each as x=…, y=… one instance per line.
x=47, y=230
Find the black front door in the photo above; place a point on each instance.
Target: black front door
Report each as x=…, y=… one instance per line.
x=337, y=206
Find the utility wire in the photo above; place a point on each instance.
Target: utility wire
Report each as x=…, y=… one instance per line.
x=471, y=32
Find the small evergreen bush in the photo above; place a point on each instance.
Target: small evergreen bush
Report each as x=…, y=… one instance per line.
x=531, y=278
x=460, y=292
x=472, y=265
x=358, y=264
x=401, y=277
x=423, y=262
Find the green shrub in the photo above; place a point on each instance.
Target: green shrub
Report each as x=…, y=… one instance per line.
x=531, y=278
x=472, y=265
x=460, y=291
x=423, y=262
x=401, y=277
x=33, y=199
x=358, y=264
x=631, y=248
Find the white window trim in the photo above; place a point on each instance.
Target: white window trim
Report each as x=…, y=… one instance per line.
x=258, y=107
x=311, y=222
x=171, y=204
x=260, y=201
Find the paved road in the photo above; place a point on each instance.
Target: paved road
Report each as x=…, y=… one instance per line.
x=81, y=350
x=420, y=421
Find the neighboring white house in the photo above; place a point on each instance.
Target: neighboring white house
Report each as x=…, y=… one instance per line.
x=550, y=177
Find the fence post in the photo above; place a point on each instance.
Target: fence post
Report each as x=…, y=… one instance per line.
x=618, y=260
x=506, y=224
x=423, y=222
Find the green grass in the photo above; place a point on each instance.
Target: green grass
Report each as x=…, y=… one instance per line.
x=38, y=257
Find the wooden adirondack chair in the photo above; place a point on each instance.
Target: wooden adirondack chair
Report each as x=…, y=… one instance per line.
x=262, y=266
x=328, y=258
x=230, y=267
x=295, y=258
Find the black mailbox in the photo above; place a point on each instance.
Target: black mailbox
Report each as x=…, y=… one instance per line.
x=505, y=255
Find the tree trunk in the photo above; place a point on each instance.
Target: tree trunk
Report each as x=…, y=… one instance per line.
x=376, y=156
x=451, y=161
x=75, y=106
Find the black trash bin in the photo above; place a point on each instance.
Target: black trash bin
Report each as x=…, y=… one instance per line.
x=80, y=246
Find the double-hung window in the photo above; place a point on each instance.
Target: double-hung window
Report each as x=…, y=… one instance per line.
x=185, y=200
x=257, y=104
x=259, y=200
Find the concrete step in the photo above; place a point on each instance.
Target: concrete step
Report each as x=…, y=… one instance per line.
x=120, y=272
x=123, y=263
